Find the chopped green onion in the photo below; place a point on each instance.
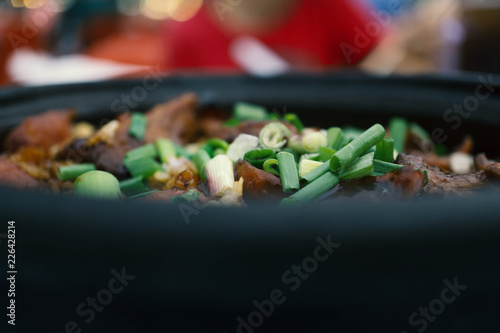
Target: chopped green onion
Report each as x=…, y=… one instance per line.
x=288, y=172
x=385, y=150
x=241, y=145
x=245, y=111
x=381, y=168
x=293, y=119
x=138, y=125
x=220, y=175
x=398, y=128
x=345, y=156
x=97, y=184
x=291, y=151
x=166, y=149
x=188, y=197
x=145, y=151
x=307, y=166
x=132, y=186
x=274, y=136
x=312, y=141
x=272, y=165
x=71, y=172
x=334, y=137
x=361, y=168
x=233, y=122
x=258, y=157
x=325, y=154
x=200, y=160
x=141, y=167
x=313, y=190
x=141, y=195
x=317, y=173
x=212, y=145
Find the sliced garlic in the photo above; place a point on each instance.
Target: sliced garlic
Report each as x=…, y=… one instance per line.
x=461, y=163
x=241, y=145
x=220, y=175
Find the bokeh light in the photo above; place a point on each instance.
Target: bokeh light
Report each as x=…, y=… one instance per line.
x=179, y=10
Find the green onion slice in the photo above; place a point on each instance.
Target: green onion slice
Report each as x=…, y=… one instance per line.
x=288, y=172
x=71, y=172
x=245, y=111
x=381, y=168
x=312, y=191
x=258, y=157
x=166, y=149
x=200, y=160
x=334, y=137
x=97, y=184
x=345, y=156
x=145, y=151
x=325, y=154
x=361, y=168
x=138, y=125
x=398, y=128
x=274, y=136
x=385, y=150
x=212, y=145
x=141, y=167
x=272, y=165
x=132, y=186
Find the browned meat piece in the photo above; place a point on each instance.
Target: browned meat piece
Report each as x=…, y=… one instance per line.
x=104, y=157
x=12, y=175
x=258, y=184
x=492, y=168
x=42, y=130
x=442, y=162
x=175, y=120
x=403, y=183
x=440, y=182
x=213, y=127
x=406, y=182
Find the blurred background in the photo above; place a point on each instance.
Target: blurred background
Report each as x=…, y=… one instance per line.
x=62, y=41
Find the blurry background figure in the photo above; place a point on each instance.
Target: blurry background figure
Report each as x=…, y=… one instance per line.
x=61, y=41
x=481, y=51
x=427, y=38
x=248, y=35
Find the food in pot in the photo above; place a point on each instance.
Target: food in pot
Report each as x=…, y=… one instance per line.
x=177, y=153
